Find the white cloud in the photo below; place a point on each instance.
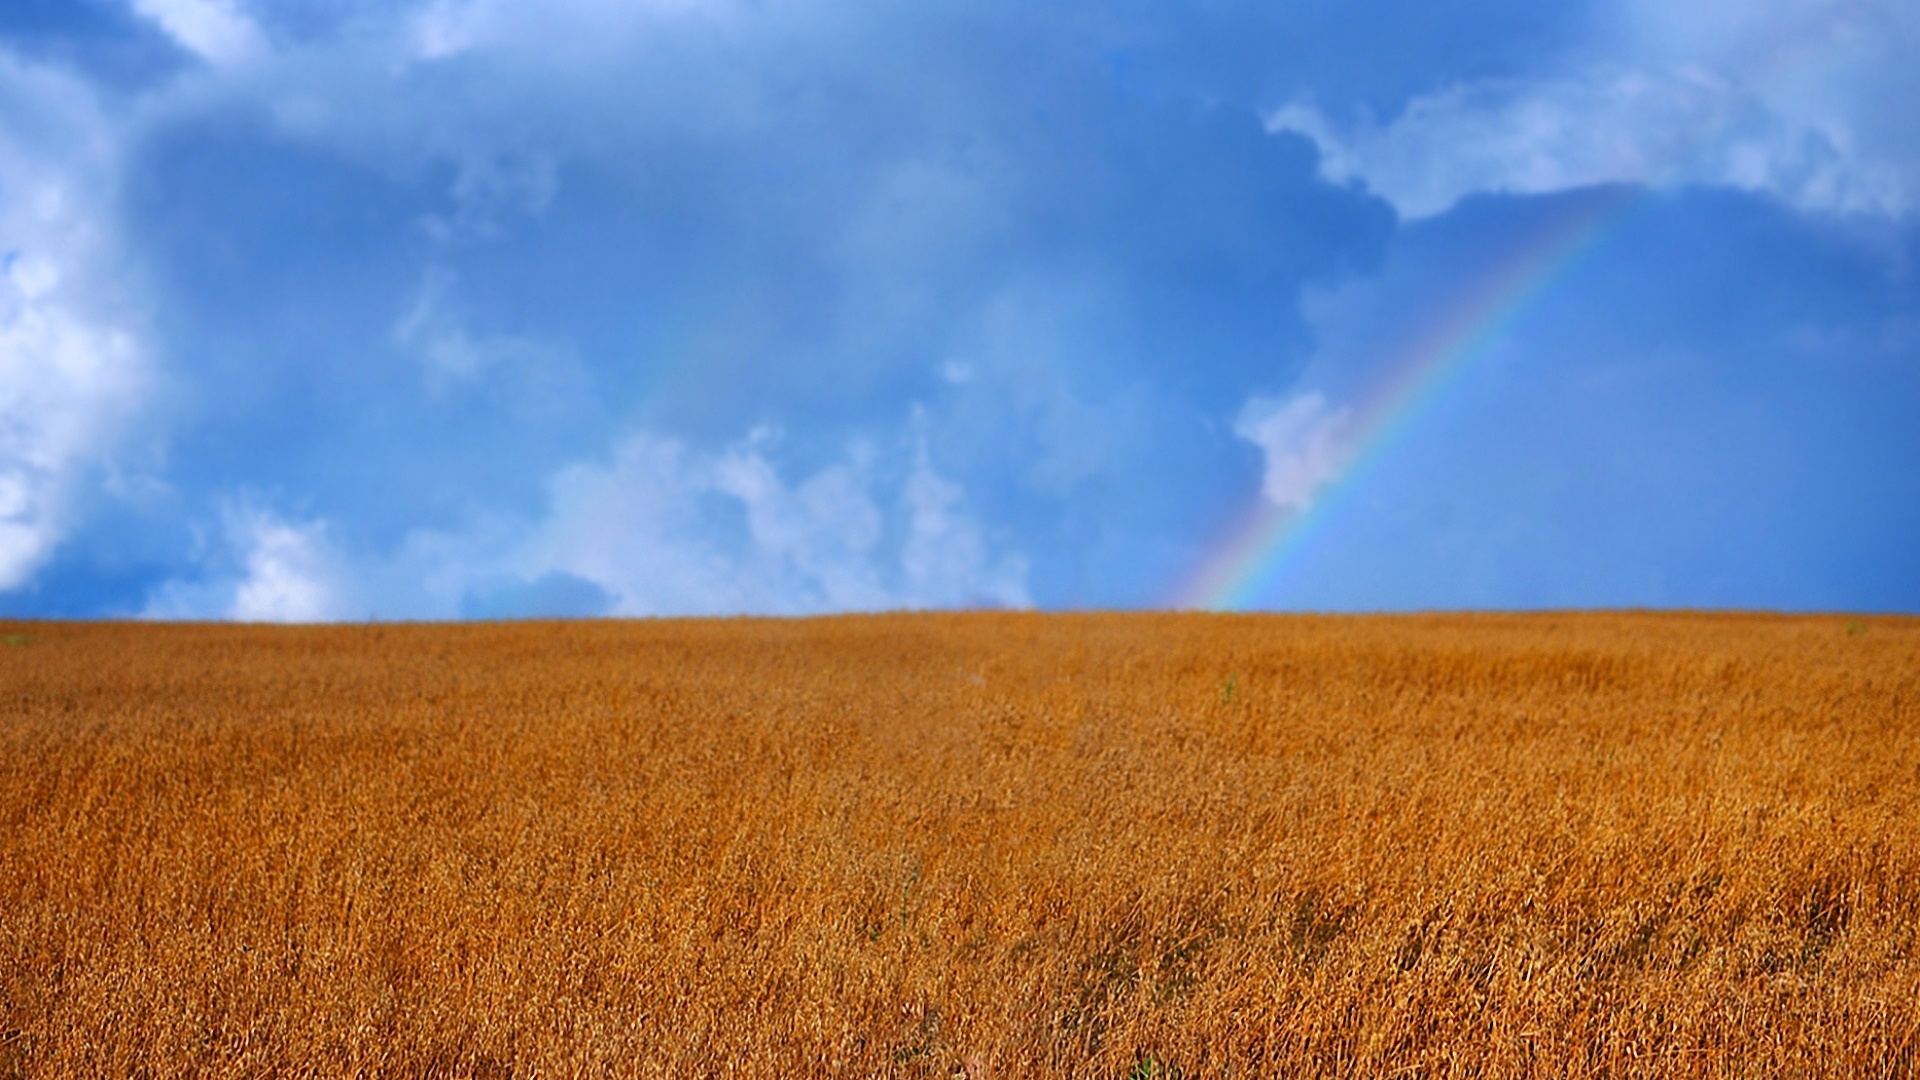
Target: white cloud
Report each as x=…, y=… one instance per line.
x=1519, y=137
x=1306, y=443
x=72, y=371
x=664, y=530
x=288, y=573
x=215, y=30
x=443, y=29
x=280, y=571
x=659, y=528
x=63, y=383
x=945, y=561
x=1792, y=99
x=824, y=529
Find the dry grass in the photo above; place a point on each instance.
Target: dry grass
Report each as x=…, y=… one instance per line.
x=1007, y=845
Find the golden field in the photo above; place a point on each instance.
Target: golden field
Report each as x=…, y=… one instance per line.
x=973, y=845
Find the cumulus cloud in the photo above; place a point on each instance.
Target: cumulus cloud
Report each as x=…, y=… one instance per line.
x=72, y=369
x=656, y=528
x=1520, y=137
x=64, y=382
x=287, y=571
x=217, y=31
x=945, y=561
x=276, y=570
x=1790, y=99
x=1306, y=442
x=666, y=530
x=445, y=28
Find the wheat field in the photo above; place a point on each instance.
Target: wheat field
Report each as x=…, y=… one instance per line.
x=969, y=845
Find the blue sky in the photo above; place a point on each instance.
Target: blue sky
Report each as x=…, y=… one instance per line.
x=500, y=308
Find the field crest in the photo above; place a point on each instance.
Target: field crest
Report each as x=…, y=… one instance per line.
x=964, y=845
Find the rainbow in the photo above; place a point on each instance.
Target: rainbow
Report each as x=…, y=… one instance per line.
x=1244, y=563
